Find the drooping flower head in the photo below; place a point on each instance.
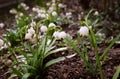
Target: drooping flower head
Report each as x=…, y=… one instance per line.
x=83, y=31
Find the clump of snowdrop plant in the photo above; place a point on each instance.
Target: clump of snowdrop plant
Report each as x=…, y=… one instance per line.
x=87, y=30
x=34, y=39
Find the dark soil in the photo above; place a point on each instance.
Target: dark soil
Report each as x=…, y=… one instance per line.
x=74, y=68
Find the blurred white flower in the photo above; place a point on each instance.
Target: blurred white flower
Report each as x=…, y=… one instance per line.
x=51, y=25
x=21, y=14
x=13, y=11
x=32, y=24
x=2, y=25
x=83, y=31
x=1, y=42
x=62, y=35
x=50, y=9
x=26, y=8
x=34, y=9
x=56, y=34
x=54, y=13
x=48, y=4
x=53, y=1
x=23, y=4
x=31, y=30
x=41, y=15
x=43, y=28
x=69, y=15
x=61, y=5
x=59, y=35
x=96, y=13
x=28, y=36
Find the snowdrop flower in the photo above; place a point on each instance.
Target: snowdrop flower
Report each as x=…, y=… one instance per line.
x=96, y=13
x=61, y=5
x=35, y=9
x=69, y=15
x=1, y=42
x=28, y=36
x=21, y=14
x=62, y=35
x=84, y=31
x=13, y=11
x=59, y=35
x=50, y=9
x=54, y=13
x=23, y=4
x=56, y=34
x=31, y=30
x=41, y=15
x=26, y=8
x=2, y=25
x=51, y=25
x=48, y=4
x=43, y=28
x=53, y=1
x=32, y=24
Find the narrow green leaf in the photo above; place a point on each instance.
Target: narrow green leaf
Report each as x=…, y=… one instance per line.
x=57, y=60
x=17, y=72
x=54, y=61
x=117, y=73
x=107, y=49
x=25, y=76
x=55, y=51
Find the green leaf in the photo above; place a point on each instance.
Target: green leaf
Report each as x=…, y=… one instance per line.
x=55, y=51
x=57, y=60
x=17, y=72
x=107, y=49
x=116, y=75
x=25, y=76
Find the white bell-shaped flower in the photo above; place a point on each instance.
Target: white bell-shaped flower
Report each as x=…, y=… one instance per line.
x=28, y=36
x=1, y=42
x=62, y=35
x=56, y=34
x=96, y=13
x=51, y=25
x=2, y=25
x=43, y=28
x=31, y=30
x=54, y=13
x=84, y=31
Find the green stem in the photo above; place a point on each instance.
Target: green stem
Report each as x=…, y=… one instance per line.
x=96, y=53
